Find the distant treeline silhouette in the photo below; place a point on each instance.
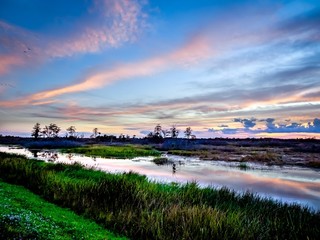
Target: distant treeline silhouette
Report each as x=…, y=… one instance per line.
x=52, y=131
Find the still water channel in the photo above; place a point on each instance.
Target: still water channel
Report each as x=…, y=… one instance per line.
x=291, y=184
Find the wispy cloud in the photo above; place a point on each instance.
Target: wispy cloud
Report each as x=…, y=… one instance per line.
x=192, y=51
x=9, y=61
x=126, y=17
x=109, y=24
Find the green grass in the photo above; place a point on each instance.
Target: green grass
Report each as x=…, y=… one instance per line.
x=131, y=205
x=24, y=215
x=129, y=151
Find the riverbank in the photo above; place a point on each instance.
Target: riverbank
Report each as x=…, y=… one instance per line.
x=130, y=204
x=278, y=156
x=24, y=215
x=292, y=152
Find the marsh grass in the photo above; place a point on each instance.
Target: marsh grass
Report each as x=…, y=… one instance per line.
x=266, y=157
x=161, y=160
x=186, y=153
x=24, y=215
x=128, y=151
x=131, y=205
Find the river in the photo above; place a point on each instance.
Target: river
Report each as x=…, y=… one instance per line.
x=292, y=184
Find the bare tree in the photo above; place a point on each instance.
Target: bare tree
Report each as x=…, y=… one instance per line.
x=36, y=132
x=188, y=132
x=71, y=131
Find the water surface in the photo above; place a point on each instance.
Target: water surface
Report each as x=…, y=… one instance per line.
x=291, y=184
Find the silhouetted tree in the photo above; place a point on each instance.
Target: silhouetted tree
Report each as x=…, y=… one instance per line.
x=158, y=132
x=54, y=129
x=188, y=132
x=36, y=132
x=71, y=131
x=95, y=133
x=45, y=132
x=106, y=137
x=51, y=131
x=174, y=132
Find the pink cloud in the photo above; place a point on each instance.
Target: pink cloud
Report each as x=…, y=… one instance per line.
x=116, y=22
x=8, y=61
x=110, y=23
x=193, y=51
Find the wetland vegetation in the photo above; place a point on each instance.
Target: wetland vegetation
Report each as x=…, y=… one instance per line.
x=131, y=205
x=125, y=151
x=25, y=215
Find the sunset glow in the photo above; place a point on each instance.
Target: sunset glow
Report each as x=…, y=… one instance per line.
x=224, y=68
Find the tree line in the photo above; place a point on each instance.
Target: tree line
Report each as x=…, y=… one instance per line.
x=173, y=132
x=52, y=131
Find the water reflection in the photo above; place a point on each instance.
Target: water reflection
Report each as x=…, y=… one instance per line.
x=50, y=156
x=35, y=152
x=174, y=169
x=290, y=184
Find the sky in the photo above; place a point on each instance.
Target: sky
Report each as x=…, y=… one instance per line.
x=231, y=69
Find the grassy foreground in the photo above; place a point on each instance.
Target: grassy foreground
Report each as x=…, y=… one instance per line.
x=130, y=205
x=128, y=151
x=24, y=215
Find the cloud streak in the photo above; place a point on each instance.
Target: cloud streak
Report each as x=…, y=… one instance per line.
x=9, y=61
x=191, y=52
x=110, y=24
x=114, y=23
